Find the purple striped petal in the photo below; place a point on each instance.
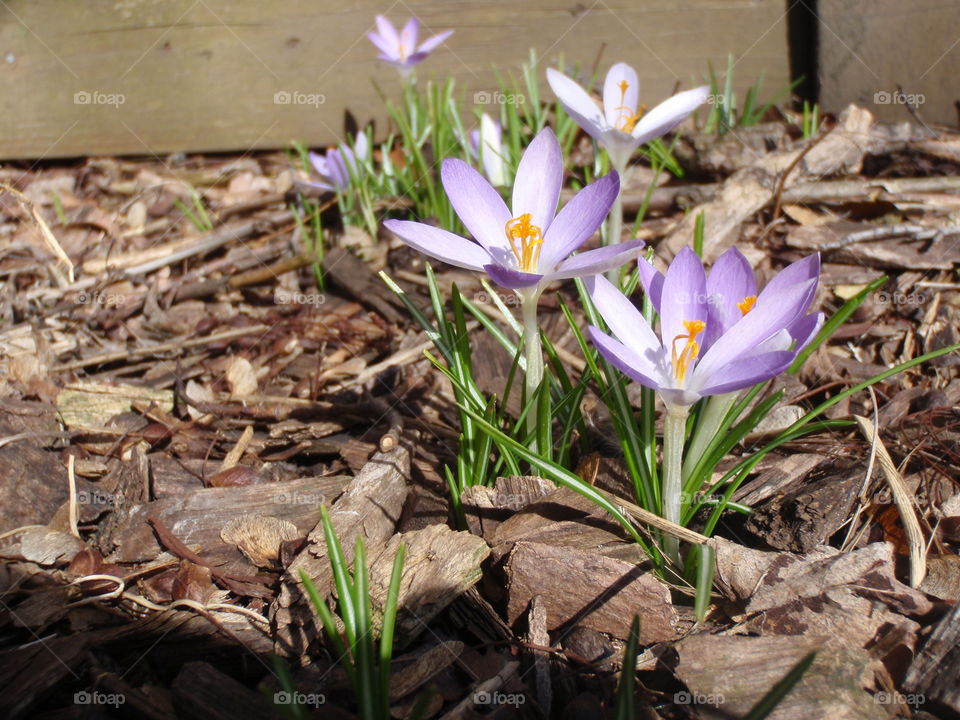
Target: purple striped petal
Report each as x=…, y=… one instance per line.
x=409, y=35
x=431, y=44
x=743, y=373
x=768, y=317
x=387, y=51
x=578, y=220
x=594, y=262
x=440, y=244
x=635, y=366
x=730, y=281
x=578, y=103
x=684, y=297
x=805, y=329
x=479, y=206
x=652, y=281
x=625, y=321
x=620, y=95
x=536, y=189
x=388, y=33
x=510, y=278
x=668, y=114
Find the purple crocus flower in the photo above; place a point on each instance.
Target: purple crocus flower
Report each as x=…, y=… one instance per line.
x=619, y=125
x=400, y=49
x=717, y=335
x=528, y=246
x=337, y=164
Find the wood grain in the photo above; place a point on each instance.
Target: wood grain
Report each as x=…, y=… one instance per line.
x=143, y=77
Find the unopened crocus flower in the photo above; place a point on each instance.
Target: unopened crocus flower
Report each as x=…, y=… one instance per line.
x=400, y=49
x=619, y=125
x=487, y=145
x=525, y=247
x=717, y=335
x=336, y=166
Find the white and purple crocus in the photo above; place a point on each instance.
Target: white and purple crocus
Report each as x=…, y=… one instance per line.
x=528, y=245
x=400, y=48
x=717, y=335
x=336, y=166
x=619, y=125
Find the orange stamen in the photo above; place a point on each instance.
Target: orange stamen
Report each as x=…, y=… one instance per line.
x=627, y=118
x=526, y=240
x=747, y=304
x=681, y=362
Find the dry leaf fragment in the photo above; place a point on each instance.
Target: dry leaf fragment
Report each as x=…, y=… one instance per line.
x=259, y=537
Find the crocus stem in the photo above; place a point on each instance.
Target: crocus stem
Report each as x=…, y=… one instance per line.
x=533, y=355
x=615, y=219
x=708, y=424
x=674, y=429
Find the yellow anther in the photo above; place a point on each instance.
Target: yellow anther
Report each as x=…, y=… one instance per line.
x=681, y=362
x=525, y=241
x=747, y=304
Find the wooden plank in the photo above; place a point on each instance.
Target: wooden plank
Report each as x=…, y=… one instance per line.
x=869, y=47
x=144, y=77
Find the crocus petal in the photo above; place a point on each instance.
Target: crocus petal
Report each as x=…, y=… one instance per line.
x=742, y=373
x=440, y=244
x=668, y=114
x=491, y=151
x=593, y=262
x=768, y=317
x=578, y=220
x=684, y=297
x=805, y=329
x=620, y=95
x=652, y=281
x=635, y=366
x=430, y=44
x=536, y=188
x=388, y=33
x=361, y=148
x=620, y=147
x=801, y=271
x=479, y=206
x=730, y=282
x=409, y=35
x=626, y=322
x=337, y=169
x=578, y=103
x=780, y=340
x=510, y=278
x=319, y=163
x=387, y=51
x=304, y=184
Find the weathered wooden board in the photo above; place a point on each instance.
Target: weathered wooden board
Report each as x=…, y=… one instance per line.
x=869, y=47
x=149, y=76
